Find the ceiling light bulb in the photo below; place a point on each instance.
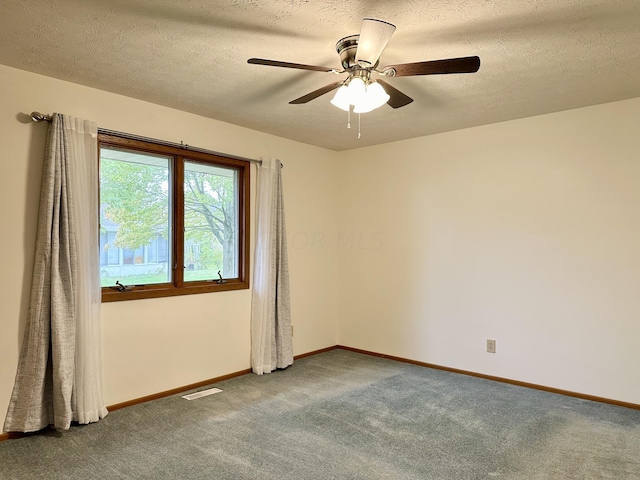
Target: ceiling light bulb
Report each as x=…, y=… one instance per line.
x=341, y=99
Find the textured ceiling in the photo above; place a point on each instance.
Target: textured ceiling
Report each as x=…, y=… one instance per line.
x=538, y=56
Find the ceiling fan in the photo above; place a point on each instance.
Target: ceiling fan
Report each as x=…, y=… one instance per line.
x=359, y=56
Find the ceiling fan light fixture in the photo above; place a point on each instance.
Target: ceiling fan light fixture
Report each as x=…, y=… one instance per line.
x=364, y=97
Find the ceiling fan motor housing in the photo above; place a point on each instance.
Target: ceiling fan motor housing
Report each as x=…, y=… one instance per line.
x=346, y=48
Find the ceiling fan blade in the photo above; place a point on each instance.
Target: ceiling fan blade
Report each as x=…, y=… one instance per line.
x=316, y=93
x=397, y=99
x=436, y=67
x=374, y=36
x=300, y=66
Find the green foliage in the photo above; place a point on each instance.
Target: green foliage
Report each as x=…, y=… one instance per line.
x=134, y=196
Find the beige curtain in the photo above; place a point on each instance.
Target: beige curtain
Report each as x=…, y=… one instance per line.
x=59, y=376
x=271, y=339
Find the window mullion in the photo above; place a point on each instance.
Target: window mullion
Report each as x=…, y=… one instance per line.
x=178, y=222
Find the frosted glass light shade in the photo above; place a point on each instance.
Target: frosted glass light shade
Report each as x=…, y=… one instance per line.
x=357, y=90
x=341, y=98
x=362, y=107
x=374, y=36
x=376, y=96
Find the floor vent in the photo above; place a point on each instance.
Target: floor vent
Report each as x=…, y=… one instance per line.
x=202, y=393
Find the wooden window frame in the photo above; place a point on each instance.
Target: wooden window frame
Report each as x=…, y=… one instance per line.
x=178, y=286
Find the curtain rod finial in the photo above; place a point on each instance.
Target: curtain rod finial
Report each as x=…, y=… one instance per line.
x=39, y=117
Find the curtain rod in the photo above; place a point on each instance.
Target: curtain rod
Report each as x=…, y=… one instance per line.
x=39, y=117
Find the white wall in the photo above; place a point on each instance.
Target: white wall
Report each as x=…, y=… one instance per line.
x=527, y=232
x=154, y=345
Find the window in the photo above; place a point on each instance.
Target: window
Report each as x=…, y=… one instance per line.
x=172, y=221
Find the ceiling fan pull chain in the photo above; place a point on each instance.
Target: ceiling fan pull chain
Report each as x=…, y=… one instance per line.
x=349, y=117
x=358, y=126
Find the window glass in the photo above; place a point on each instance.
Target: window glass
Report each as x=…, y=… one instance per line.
x=210, y=222
x=135, y=217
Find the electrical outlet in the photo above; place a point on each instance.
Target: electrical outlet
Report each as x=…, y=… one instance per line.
x=491, y=346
